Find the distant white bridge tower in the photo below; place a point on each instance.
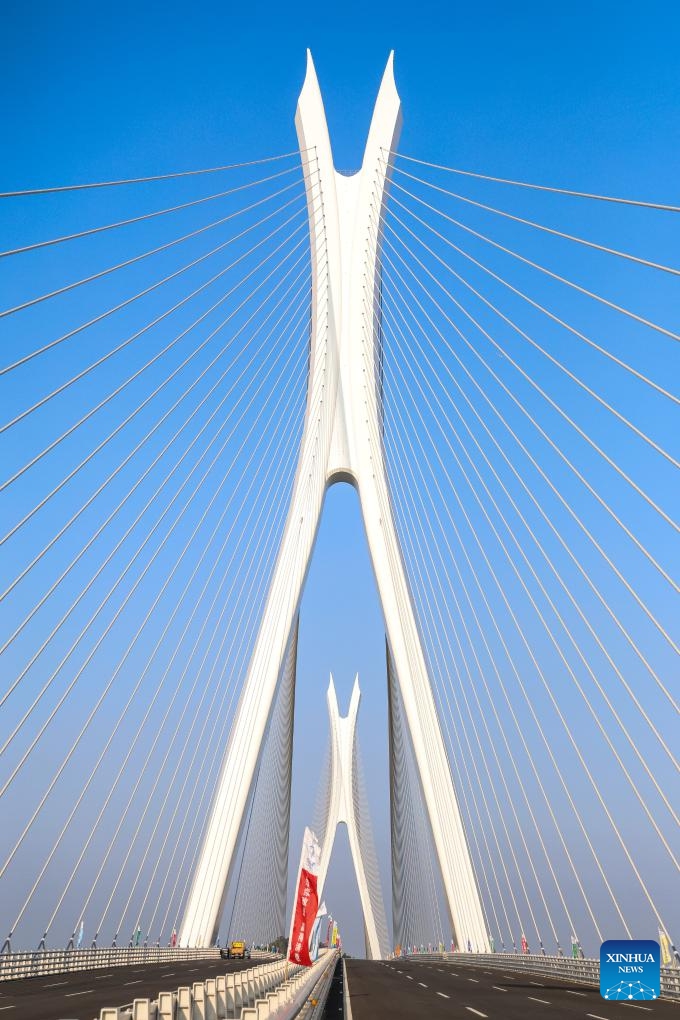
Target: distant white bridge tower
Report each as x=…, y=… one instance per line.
x=342, y=441
x=343, y=808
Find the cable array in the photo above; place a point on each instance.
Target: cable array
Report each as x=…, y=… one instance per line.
x=259, y=910
x=149, y=452
x=529, y=425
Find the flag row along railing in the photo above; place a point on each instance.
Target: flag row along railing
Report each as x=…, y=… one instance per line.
x=276, y=989
x=61, y=961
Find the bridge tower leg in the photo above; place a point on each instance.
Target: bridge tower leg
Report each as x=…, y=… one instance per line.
x=342, y=441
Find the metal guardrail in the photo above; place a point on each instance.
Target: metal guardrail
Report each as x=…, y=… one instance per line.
x=586, y=971
x=61, y=961
x=271, y=991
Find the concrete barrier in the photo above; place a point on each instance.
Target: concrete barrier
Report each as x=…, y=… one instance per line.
x=276, y=990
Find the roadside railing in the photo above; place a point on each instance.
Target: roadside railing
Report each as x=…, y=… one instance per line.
x=271, y=991
x=61, y=961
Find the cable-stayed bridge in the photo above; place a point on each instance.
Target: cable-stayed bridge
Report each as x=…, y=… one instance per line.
x=190, y=360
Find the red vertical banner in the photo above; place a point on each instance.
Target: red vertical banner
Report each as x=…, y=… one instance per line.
x=306, y=906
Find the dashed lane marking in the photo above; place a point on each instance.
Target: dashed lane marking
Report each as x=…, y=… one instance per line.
x=476, y=980
x=472, y=1009
x=409, y=977
x=70, y=995
x=100, y=977
x=442, y=995
x=544, y=1002
x=137, y=982
x=595, y=1016
x=498, y=988
x=537, y=983
x=422, y=985
x=635, y=1006
x=509, y=977
x=55, y=984
x=570, y=991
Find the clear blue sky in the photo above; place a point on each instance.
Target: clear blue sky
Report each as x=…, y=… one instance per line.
x=586, y=95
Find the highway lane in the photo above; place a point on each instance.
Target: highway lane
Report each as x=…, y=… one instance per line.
x=82, y=994
x=405, y=989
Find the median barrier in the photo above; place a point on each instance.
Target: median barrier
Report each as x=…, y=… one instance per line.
x=275, y=990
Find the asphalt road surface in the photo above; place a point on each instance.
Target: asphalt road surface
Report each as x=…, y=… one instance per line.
x=82, y=994
x=404, y=990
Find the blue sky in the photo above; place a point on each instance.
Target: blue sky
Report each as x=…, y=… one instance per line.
x=585, y=96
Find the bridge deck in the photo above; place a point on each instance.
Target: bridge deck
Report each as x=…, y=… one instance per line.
x=403, y=990
x=82, y=994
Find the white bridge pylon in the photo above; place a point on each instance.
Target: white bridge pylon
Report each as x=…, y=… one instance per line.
x=342, y=441
x=342, y=808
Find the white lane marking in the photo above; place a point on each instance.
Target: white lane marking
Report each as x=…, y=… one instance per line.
x=100, y=977
x=422, y=985
x=544, y=1002
x=487, y=971
x=400, y=972
x=634, y=1006
x=498, y=988
x=476, y=1011
x=595, y=1016
x=476, y=981
x=169, y=974
x=570, y=991
x=69, y=995
x=55, y=984
x=537, y=983
x=137, y=982
x=409, y=977
x=442, y=995
x=509, y=977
